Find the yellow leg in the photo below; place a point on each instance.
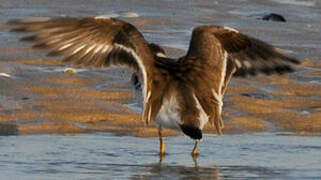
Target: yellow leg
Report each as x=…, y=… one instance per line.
x=195, y=149
x=195, y=161
x=161, y=143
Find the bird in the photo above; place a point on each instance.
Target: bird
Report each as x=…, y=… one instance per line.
x=182, y=94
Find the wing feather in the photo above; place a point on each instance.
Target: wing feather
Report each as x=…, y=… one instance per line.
x=252, y=55
x=216, y=53
x=87, y=41
x=98, y=42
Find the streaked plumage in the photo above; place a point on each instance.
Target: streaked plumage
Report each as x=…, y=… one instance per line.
x=183, y=94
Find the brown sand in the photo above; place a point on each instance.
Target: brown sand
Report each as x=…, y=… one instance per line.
x=310, y=63
x=64, y=103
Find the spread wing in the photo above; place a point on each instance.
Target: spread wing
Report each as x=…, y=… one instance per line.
x=251, y=56
x=216, y=53
x=98, y=42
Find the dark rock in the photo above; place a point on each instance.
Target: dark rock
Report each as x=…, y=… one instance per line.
x=273, y=17
x=8, y=129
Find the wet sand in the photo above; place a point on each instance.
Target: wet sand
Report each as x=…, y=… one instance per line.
x=39, y=97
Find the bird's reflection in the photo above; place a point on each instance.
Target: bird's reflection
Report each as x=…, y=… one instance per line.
x=194, y=158
x=161, y=158
x=162, y=170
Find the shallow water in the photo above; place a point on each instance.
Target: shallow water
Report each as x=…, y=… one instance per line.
x=104, y=156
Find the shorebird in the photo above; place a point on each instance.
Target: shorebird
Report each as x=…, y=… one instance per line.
x=183, y=93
